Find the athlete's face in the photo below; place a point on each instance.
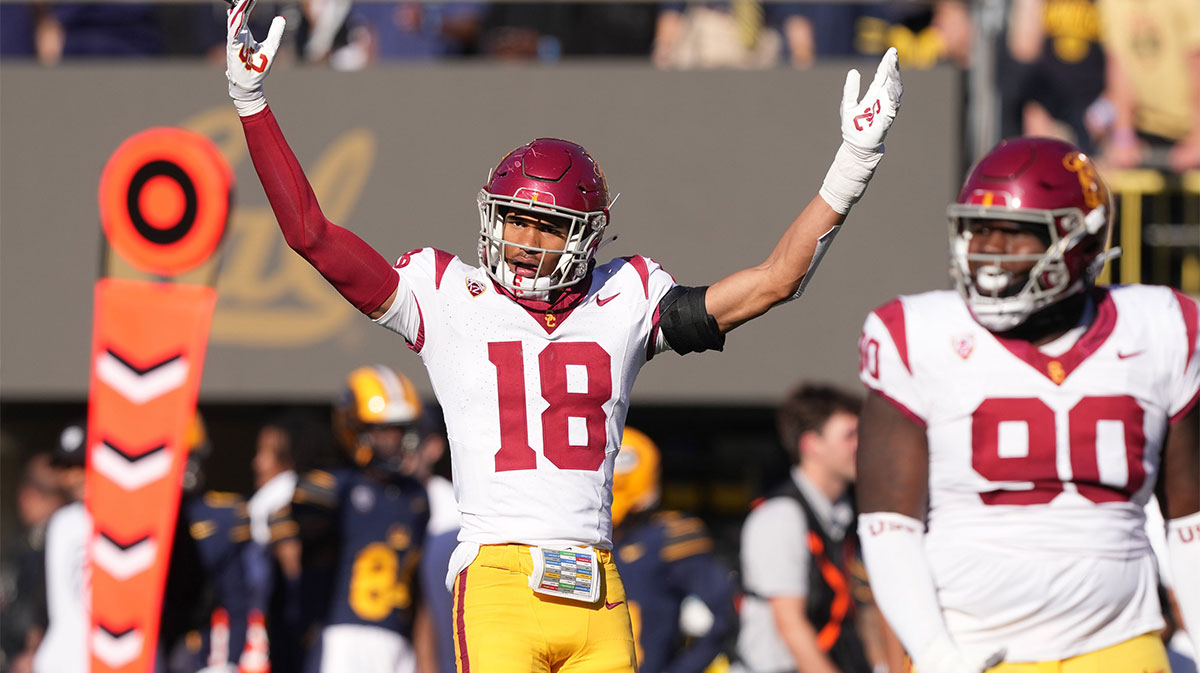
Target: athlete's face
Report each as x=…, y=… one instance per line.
x=534, y=231
x=1006, y=237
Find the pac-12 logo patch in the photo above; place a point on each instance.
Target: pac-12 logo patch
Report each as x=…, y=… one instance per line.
x=475, y=287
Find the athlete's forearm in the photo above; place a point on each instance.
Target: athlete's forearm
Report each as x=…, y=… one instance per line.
x=749, y=293
x=901, y=581
x=354, y=268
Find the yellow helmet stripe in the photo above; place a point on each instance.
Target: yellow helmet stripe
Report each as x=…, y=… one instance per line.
x=383, y=396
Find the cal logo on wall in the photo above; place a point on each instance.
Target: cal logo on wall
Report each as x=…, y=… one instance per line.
x=164, y=202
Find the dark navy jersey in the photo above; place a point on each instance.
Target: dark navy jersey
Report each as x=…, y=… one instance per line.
x=664, y=557
x=370, y=532
x=206, y=574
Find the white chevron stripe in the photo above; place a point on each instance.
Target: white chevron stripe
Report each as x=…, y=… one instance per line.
x=116, y=651
x=130, y=475
x=123, y=563
x=141, y=388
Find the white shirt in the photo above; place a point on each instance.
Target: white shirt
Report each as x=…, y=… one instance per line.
x=1040, y=464
x=268, y=499
x=534, y=406
x=443, y=507
x=64, y=649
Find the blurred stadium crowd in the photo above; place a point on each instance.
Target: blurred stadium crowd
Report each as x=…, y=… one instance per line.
x=1112, y=75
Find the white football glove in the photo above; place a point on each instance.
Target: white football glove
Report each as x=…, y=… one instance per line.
x=246, y=61
x=943, y=656
x=865, y=123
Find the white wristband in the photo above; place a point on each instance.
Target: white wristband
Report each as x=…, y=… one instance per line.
x=848, y=176
x=247, y=102
x=1183, y=552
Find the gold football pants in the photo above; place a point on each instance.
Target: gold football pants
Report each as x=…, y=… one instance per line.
x=503, y=626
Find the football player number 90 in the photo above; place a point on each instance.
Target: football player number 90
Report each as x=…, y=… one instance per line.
x=1016, y=439
x=581, y=397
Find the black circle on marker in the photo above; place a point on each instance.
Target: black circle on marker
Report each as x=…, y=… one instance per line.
x=148, y=231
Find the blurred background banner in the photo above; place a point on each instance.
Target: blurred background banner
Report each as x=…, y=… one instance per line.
x=398, y=153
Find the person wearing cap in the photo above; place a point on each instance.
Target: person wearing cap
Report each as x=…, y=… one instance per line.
x=67, y=591
x=23, y=619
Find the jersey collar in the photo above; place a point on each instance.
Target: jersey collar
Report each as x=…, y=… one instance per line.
x=551, y=314
x=1058, y=368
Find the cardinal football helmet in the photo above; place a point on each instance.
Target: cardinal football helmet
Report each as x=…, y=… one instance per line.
x=1046, y=183
x=546, y=177
x=377, y=418
x=635, y=475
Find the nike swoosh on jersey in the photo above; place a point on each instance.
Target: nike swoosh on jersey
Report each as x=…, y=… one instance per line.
x=605, y=300
x=1122, y=356
x=607, y=605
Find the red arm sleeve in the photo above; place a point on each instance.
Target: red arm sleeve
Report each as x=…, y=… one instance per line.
x=354, y=268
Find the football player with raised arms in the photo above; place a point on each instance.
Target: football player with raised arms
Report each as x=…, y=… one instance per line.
x=1015, y=428
x=533, y=353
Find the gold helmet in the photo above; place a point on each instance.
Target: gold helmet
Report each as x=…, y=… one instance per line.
x=635, y=475
x=377, y=418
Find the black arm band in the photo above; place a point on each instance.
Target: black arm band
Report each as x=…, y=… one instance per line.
x=686, y=324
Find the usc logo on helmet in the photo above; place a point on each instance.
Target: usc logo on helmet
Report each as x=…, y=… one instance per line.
x=1094, y=191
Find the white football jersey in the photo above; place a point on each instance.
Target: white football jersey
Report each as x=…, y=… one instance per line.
x=1040, y=465
x=534, y=402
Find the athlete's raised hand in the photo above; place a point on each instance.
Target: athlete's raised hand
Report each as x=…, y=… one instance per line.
x=865, y=122
x=247, y=62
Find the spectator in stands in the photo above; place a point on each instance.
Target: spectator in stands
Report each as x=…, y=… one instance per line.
x=797, y=545
x=16, y=30
x=714, y=34
x=924, y=34
x=1154, y=81
x=121, y=30
x=548, y=32
x=1054, y=69
x=733, y=34
x=23, y=598
x=417, y=30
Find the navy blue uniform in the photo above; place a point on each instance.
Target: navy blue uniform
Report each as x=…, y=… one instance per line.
x=663, y=557
x=361, y=540
x=206, y=573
